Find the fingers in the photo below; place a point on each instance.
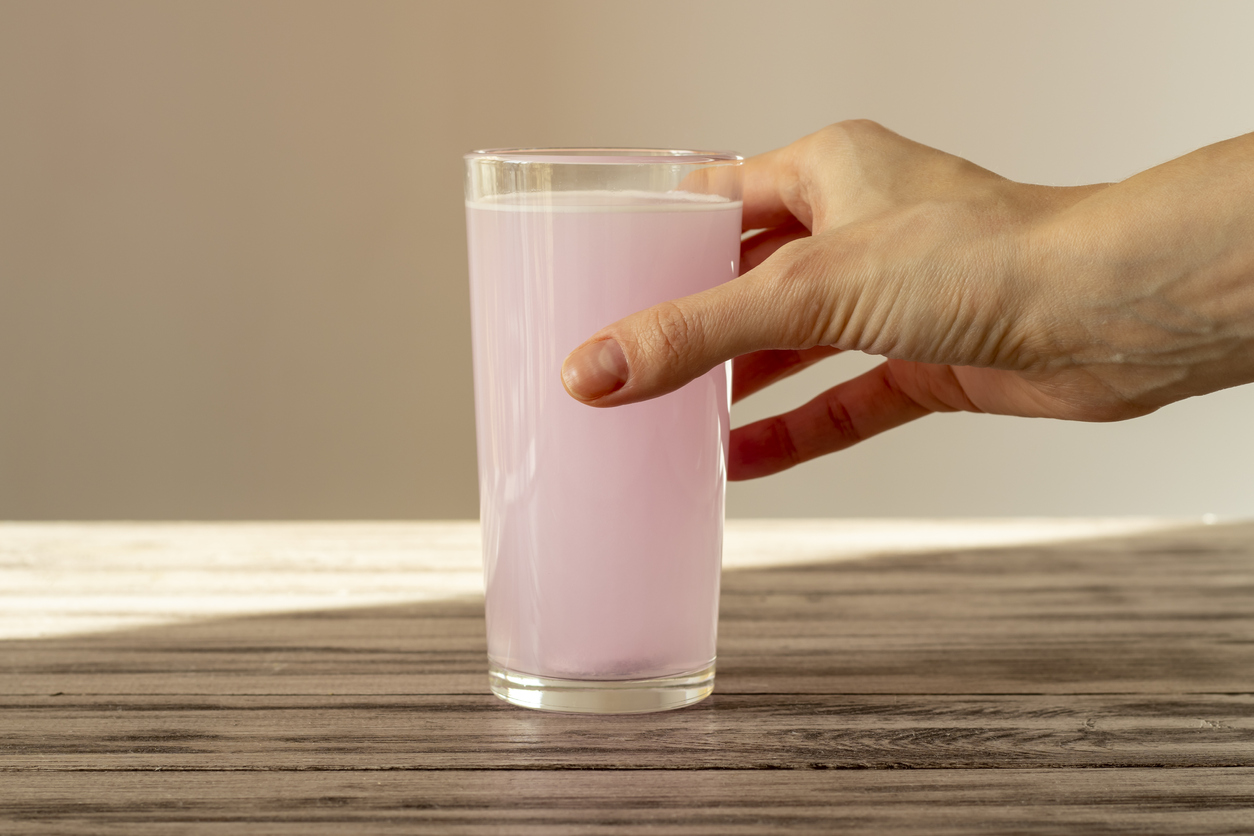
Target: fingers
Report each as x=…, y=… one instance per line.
x=838, y=171
x=798, y=291
x=768, y=180
x=659, y=349
x=839, y=418
x=759, y=247
x=754, y=372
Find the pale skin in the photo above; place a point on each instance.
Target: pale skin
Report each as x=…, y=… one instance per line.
x=1088, y=303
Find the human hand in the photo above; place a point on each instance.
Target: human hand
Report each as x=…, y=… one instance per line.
x=1093, y=303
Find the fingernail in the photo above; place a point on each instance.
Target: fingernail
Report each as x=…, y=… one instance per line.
x=594, y=370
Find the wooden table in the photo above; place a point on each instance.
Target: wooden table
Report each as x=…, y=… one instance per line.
x=1066, y=677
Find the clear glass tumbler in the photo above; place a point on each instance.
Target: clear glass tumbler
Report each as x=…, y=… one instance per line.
x=602, y=528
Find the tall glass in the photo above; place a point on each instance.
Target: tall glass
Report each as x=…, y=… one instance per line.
x=602, y=528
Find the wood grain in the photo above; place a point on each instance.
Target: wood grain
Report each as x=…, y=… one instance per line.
x=724, y=732
x=1144, y=802
x=1082, y=686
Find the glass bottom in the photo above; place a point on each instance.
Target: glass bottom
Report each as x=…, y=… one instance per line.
x=601, y=696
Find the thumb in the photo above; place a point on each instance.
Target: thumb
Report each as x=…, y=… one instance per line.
x=660, y=349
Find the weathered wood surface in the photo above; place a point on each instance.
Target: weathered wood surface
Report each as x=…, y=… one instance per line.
x=725, y=732
x=1060, y=802
x=1101, y=685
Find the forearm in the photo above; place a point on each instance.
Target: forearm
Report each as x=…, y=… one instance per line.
x=1170, y=253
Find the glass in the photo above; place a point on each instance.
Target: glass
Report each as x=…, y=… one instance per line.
x=602, y=528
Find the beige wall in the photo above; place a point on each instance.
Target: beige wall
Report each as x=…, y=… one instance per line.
x=232, y=278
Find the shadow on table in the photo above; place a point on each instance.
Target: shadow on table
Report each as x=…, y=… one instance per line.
x=1170, y=610
x=975, y=668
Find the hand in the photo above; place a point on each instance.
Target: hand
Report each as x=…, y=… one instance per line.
x=1093, y=303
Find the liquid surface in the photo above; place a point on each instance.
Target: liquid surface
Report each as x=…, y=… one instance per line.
x=602, y=527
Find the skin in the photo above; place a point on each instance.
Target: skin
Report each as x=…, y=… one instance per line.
x=1090, y=303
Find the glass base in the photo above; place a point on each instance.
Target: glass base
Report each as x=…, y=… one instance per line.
x=601, y=696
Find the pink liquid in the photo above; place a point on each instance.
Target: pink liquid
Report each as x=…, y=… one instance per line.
x=602, y=528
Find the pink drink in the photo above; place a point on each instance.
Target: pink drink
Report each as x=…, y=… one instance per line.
x=602, y=527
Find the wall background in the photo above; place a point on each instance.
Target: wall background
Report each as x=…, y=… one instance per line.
x=232, y=269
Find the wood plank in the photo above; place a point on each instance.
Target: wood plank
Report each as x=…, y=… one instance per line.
x=1167, y=612
x=415, y=650
x=1086, y=686
x=1147, y=802
x=725, y=732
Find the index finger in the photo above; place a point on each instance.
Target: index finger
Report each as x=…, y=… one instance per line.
x=768, y=179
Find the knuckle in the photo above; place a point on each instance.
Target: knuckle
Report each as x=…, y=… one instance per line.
x=791, y=266
x=800, y=285
x=852, y=132
x=674, y=333
x=784, y=444
x=861, y=127
x=843, y=430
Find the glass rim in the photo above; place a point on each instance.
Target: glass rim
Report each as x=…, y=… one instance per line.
x=604, y=156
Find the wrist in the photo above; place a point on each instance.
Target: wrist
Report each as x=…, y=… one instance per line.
x=1149, y=287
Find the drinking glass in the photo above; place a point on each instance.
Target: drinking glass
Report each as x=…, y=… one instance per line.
x=602, y=528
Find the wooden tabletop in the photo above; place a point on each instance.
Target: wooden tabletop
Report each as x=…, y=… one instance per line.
x=1034, y=676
